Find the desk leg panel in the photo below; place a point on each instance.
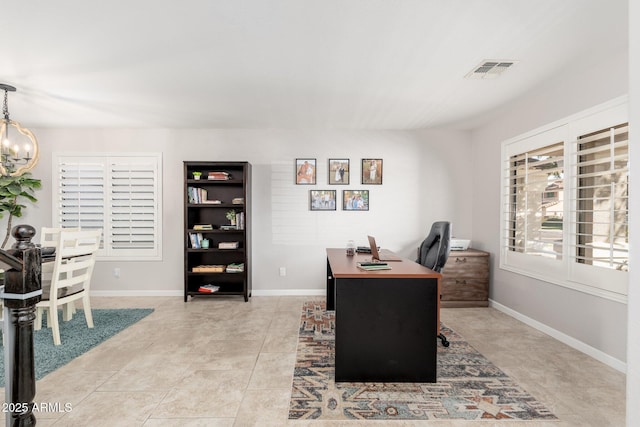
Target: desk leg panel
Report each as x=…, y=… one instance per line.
x=330, y=288
x=386, y=330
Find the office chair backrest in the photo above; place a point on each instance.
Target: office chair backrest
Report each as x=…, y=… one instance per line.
x=434, y=250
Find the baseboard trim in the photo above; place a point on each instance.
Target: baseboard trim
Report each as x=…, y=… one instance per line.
x=608, y=360
x=289, y=292
x=137, y=293
x=179, y=293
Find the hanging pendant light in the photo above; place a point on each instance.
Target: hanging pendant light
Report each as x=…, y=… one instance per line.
x=18, y=146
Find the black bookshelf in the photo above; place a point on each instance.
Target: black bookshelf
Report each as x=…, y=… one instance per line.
x=224, y=263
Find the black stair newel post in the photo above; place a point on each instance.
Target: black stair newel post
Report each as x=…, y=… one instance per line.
x=22, y=291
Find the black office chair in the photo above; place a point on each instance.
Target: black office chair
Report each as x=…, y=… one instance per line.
x=434, y=251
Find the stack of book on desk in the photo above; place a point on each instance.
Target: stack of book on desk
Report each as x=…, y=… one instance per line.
x=370, y=266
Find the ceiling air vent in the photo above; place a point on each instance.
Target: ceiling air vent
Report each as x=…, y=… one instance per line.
x=489, y=69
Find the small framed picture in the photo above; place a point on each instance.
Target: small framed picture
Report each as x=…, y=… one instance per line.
x=339, y=171
x=355, y=200
x=306, y=171
x=372, y=171
x=322, y=200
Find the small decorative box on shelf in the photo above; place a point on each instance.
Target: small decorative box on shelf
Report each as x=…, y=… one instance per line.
x=228, y=245
x=208, y=269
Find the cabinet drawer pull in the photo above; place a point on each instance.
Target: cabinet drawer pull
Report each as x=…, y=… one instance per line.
x=461, y=282
x=461, y=260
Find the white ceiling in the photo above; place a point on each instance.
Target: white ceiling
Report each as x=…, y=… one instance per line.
x=348, y=64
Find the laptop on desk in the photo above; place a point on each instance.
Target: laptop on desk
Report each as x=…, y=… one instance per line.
x=382, y=255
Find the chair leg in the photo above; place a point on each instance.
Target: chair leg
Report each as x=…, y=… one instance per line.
x=68, y=310
x=86, y=305
x=37, y=324
x=444, y=340
x=55, y=326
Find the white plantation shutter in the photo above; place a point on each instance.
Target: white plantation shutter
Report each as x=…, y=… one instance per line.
x=565, y=202
x=535, y=204
x=119, y=194
x=81, y=194
x=132, y=199
x=601, y=233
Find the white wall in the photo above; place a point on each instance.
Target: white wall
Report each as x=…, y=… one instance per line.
x=420, y=185
x=633, y=338
x=598, y=323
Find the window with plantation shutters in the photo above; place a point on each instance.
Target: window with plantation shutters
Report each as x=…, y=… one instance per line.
x=116, y=193
x=565, y=204
x=601, y=209
x=536, y=188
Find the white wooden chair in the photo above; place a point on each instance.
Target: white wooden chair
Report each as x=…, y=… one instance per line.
x=49, y=237
x=70, y=278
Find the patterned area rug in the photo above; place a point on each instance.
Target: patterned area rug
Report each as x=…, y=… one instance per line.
x=468, y=386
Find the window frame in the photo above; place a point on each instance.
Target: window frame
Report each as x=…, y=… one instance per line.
x=598, y=281
x=107, y=251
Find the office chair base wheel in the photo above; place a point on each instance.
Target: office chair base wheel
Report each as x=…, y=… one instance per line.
x=445, y=343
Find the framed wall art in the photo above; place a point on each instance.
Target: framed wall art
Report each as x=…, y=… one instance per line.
x=339, y=171
x=372, y=171
x=355, y=200
x=322, y=200
x=306, y=171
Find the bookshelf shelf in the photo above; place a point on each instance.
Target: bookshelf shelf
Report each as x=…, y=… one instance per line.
x=207, y=221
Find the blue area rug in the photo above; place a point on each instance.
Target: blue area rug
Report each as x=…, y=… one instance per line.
x=77, y=338
x=468, y=388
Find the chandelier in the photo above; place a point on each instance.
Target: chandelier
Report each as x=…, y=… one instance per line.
x=18, y=154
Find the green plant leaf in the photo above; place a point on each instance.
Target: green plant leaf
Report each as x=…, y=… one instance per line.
x=14, y=188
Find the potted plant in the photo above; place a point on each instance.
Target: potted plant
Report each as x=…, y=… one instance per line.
x=12, y=190
x=196, y=175
x=231, y=216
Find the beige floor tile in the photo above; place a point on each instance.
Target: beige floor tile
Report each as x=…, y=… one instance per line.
x=273, y=370
x=223, y=362
x=205, y=394
x=113, y=408
x=265, y=407
x=189, y=422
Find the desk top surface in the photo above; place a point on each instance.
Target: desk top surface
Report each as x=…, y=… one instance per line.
x=343, y=266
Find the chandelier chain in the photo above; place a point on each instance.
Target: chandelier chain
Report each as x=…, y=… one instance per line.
x=5, y=106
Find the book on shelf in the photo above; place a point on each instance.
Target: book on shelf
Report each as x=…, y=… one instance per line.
x=203, y=227
x=236, y=267
x=228, y=227
x=218, y=176
x=371, y=266
x=196, y=239
x=208, y=269
x=240, y=220
x=196, y=195
x=211, y=202
x=237, y=201
x=209, y=289
x=228, y=245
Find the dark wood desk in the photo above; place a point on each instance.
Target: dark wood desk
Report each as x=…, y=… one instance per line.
x=386, y=320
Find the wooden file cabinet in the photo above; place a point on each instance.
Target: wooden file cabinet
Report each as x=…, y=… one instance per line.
x=465, y=279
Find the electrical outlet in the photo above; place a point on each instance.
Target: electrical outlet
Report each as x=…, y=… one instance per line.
x=283, y=271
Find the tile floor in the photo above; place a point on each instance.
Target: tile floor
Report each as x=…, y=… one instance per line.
x=225, y=362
